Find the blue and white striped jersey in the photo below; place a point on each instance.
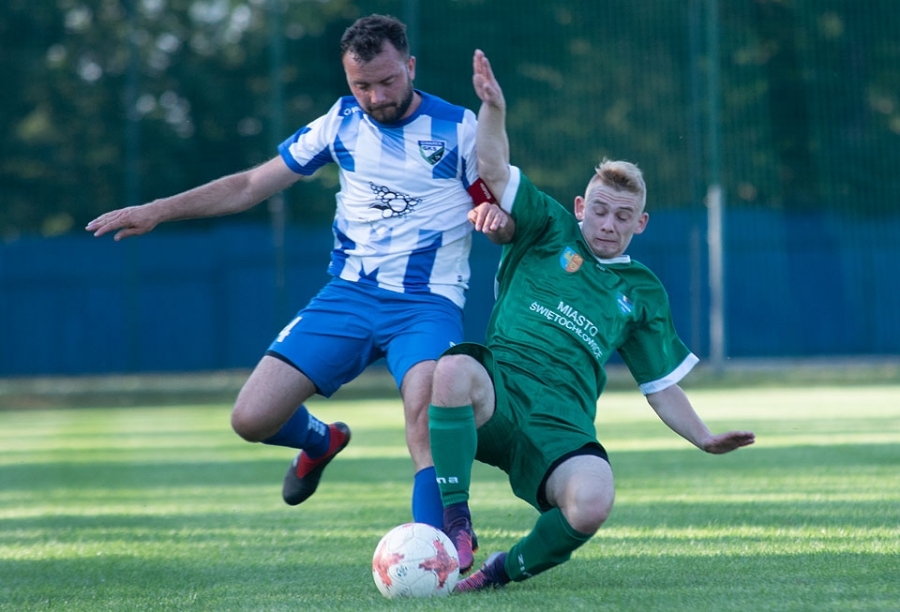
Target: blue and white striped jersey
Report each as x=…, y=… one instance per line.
x=400, y=222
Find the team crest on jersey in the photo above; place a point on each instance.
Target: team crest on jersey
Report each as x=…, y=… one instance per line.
x=432, y=150
x=392, y=203
x=570, y=260
x=625, y=304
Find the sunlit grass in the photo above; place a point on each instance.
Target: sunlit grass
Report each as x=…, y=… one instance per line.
x=164, y=508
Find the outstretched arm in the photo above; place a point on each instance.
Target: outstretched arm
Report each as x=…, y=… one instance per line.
x=492, y=143
x=675, y=410
x=224, y=196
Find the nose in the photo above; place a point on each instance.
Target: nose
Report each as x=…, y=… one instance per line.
x=377, y=96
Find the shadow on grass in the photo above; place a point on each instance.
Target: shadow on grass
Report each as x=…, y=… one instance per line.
x=813, y=487
x=231, y=579
x=632, y=468
x=228, y=578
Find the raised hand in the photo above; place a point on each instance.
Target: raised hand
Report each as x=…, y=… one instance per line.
x=492, y=142
x=486, y=86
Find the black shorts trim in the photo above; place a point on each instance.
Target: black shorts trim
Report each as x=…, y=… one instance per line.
x=592, y=448
x=281, y=357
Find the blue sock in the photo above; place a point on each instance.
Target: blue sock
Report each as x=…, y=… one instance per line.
x=427, y=506
x=303, y=431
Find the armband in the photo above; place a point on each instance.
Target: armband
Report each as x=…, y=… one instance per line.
x=480, y=193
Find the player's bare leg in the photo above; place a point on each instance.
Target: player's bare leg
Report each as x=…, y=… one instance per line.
x=270, y=409
x=582, y=487
x=269, y=398
x=416, y=393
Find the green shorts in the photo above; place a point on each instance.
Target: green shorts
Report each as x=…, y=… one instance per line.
x=534, y=428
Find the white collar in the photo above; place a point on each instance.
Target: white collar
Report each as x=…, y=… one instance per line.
x=621, y=259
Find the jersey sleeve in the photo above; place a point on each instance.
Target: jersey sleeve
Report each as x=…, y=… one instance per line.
x=534, y=213
x=531, y=209
x=653, y=352
x=310, y=147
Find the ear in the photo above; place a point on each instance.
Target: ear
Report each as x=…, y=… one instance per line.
x=642, y=224
x=411, y=67
x=579, y=208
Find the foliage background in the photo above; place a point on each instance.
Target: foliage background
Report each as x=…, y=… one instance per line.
x=791, y=106
x=183, y=90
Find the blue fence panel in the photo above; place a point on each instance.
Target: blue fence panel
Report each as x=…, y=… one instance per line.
x=191, y=299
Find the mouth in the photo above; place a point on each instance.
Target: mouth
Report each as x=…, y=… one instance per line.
x=384, y=114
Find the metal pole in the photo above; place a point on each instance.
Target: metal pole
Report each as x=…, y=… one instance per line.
x=277, y=206
x=716, y=279
x=695, y=161
x=132, y=191
x=715, y=199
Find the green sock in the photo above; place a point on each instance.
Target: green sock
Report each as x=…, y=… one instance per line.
x=453, y=445
x=550, y=543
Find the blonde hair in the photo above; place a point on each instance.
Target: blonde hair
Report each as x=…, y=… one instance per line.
x=621, y=176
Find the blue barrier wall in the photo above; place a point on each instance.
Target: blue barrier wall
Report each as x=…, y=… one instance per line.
x=204, y=299
x=168, y=301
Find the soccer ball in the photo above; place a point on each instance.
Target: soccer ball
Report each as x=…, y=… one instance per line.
x=415, y=560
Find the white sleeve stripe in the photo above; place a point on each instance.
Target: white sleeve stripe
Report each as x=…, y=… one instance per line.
x=512, y=188
x=672, y=378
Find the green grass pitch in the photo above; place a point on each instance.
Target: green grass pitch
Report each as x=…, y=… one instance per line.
x=164, y=508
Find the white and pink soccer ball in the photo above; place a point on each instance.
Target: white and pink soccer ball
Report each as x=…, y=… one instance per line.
x=415, y=560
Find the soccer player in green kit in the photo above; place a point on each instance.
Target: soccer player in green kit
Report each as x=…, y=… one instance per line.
x=525, y=401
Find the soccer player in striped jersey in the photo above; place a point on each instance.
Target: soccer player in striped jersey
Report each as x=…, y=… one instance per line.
x=402, y=234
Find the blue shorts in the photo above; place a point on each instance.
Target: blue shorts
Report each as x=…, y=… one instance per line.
x=348, y=326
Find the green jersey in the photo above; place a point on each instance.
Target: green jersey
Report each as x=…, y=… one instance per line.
x=561, y=312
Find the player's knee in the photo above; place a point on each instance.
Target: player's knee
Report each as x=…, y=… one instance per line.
x=588, y=511
x=588, y=520
x=452, y=366
x=244, y=425
x=454, y=376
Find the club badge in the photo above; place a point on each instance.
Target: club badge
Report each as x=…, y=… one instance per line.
x=432, y=150
x=570, y=260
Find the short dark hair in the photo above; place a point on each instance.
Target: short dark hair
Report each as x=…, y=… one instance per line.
x=365, y=38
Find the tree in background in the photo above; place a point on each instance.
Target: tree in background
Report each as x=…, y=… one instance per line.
x=810, y=115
